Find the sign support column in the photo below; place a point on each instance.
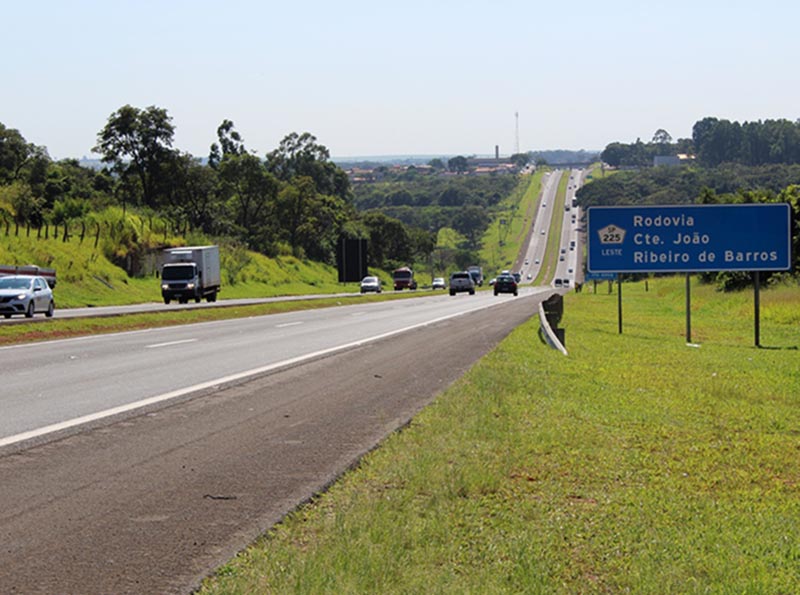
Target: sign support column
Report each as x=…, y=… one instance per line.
x=619, y=302
x=757, y=306
x=688, y=309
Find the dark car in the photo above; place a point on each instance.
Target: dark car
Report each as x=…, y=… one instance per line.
x=25, y=294
x=505, y=284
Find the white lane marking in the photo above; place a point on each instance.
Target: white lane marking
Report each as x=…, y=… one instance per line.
x=181, y=342
x=285, y=324
x=84, y=419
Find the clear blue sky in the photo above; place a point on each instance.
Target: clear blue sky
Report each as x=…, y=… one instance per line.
x=377, y=78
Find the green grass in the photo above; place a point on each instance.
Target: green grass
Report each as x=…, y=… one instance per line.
x=518, y=211
x=636, y=464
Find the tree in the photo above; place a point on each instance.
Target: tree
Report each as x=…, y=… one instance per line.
x=249, y=192
x=15, y=153
x=436, y=164
x=661, y=137
x=138, y=142
x=230, y=141
x=471, y=221
x=458, y=164
x=389, y=242
x=301, y=155
x=520, y=160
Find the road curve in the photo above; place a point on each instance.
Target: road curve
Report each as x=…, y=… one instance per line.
x=154, y=503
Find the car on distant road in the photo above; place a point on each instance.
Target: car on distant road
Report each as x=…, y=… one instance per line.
x=505, y=284
x=438, y=283
x=370, y=284
x=27, y=295
x=543, y=232
x=517, y=277
x=460, y=282
x=527, y=261
x=537, y=261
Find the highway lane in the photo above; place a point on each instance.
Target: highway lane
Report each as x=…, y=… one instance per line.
x=58, y=385
x=535, y=249
x=161, y=307
x=154, y=503
x=569, y=233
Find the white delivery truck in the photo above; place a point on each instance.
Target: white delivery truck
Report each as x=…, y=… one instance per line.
x=190, y=273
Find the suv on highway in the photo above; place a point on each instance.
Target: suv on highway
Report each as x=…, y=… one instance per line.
x=461, y=281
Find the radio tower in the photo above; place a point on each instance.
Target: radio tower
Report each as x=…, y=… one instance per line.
x=516, y=135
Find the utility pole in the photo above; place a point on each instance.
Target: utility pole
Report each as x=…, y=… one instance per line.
x=516, y=135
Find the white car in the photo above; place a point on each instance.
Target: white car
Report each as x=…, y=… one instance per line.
x=438, y=283
x=25, y=294
x=370, y=284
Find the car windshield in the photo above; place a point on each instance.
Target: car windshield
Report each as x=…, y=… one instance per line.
x=177, y=272
x=369, y=280
x=15, y=283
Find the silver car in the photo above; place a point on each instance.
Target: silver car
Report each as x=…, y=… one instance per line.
x=370, y=284
x=25, y=294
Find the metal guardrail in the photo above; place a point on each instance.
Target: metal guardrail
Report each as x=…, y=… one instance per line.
x=550, y=311
x=48, y=275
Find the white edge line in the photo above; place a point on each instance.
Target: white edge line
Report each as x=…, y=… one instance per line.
x=170, y=343
x=71, y=423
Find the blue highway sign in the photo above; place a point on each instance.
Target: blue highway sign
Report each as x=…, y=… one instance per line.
x=689, y=238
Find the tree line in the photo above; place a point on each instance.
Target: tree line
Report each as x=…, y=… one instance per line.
x=716, y=141
x=292, y=199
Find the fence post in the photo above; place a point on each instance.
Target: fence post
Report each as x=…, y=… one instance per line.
x=97, y=234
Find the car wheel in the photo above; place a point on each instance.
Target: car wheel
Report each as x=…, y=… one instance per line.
x=29, y=312
x=166, y=300
x=515, y=294
x=50, y=309
x=452, y=292
x=7, y=315
x=495, y=293
x=472, y=292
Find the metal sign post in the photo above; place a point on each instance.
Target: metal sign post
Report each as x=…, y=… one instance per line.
x=619, y=303
x=757, y=306
x=688, y=309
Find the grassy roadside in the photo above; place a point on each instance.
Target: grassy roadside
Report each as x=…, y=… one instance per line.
x=635, y=464
x=517, y=210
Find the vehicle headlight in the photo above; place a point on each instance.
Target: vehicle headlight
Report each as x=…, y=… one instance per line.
x=22, y=296
x=164, y=286
x=190, y=286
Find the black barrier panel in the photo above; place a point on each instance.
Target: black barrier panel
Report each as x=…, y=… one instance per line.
x=553, y=309
x=351, y=260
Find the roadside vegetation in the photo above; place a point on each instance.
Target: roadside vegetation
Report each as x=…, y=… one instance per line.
x=606, y=471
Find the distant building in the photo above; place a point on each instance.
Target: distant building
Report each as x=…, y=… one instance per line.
x=680, y=159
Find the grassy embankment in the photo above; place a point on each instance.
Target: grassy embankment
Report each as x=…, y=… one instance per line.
x=518, y=211
x=636, y=464
x=86, y=277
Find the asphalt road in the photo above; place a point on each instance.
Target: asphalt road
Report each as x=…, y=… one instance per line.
x=153, y=500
